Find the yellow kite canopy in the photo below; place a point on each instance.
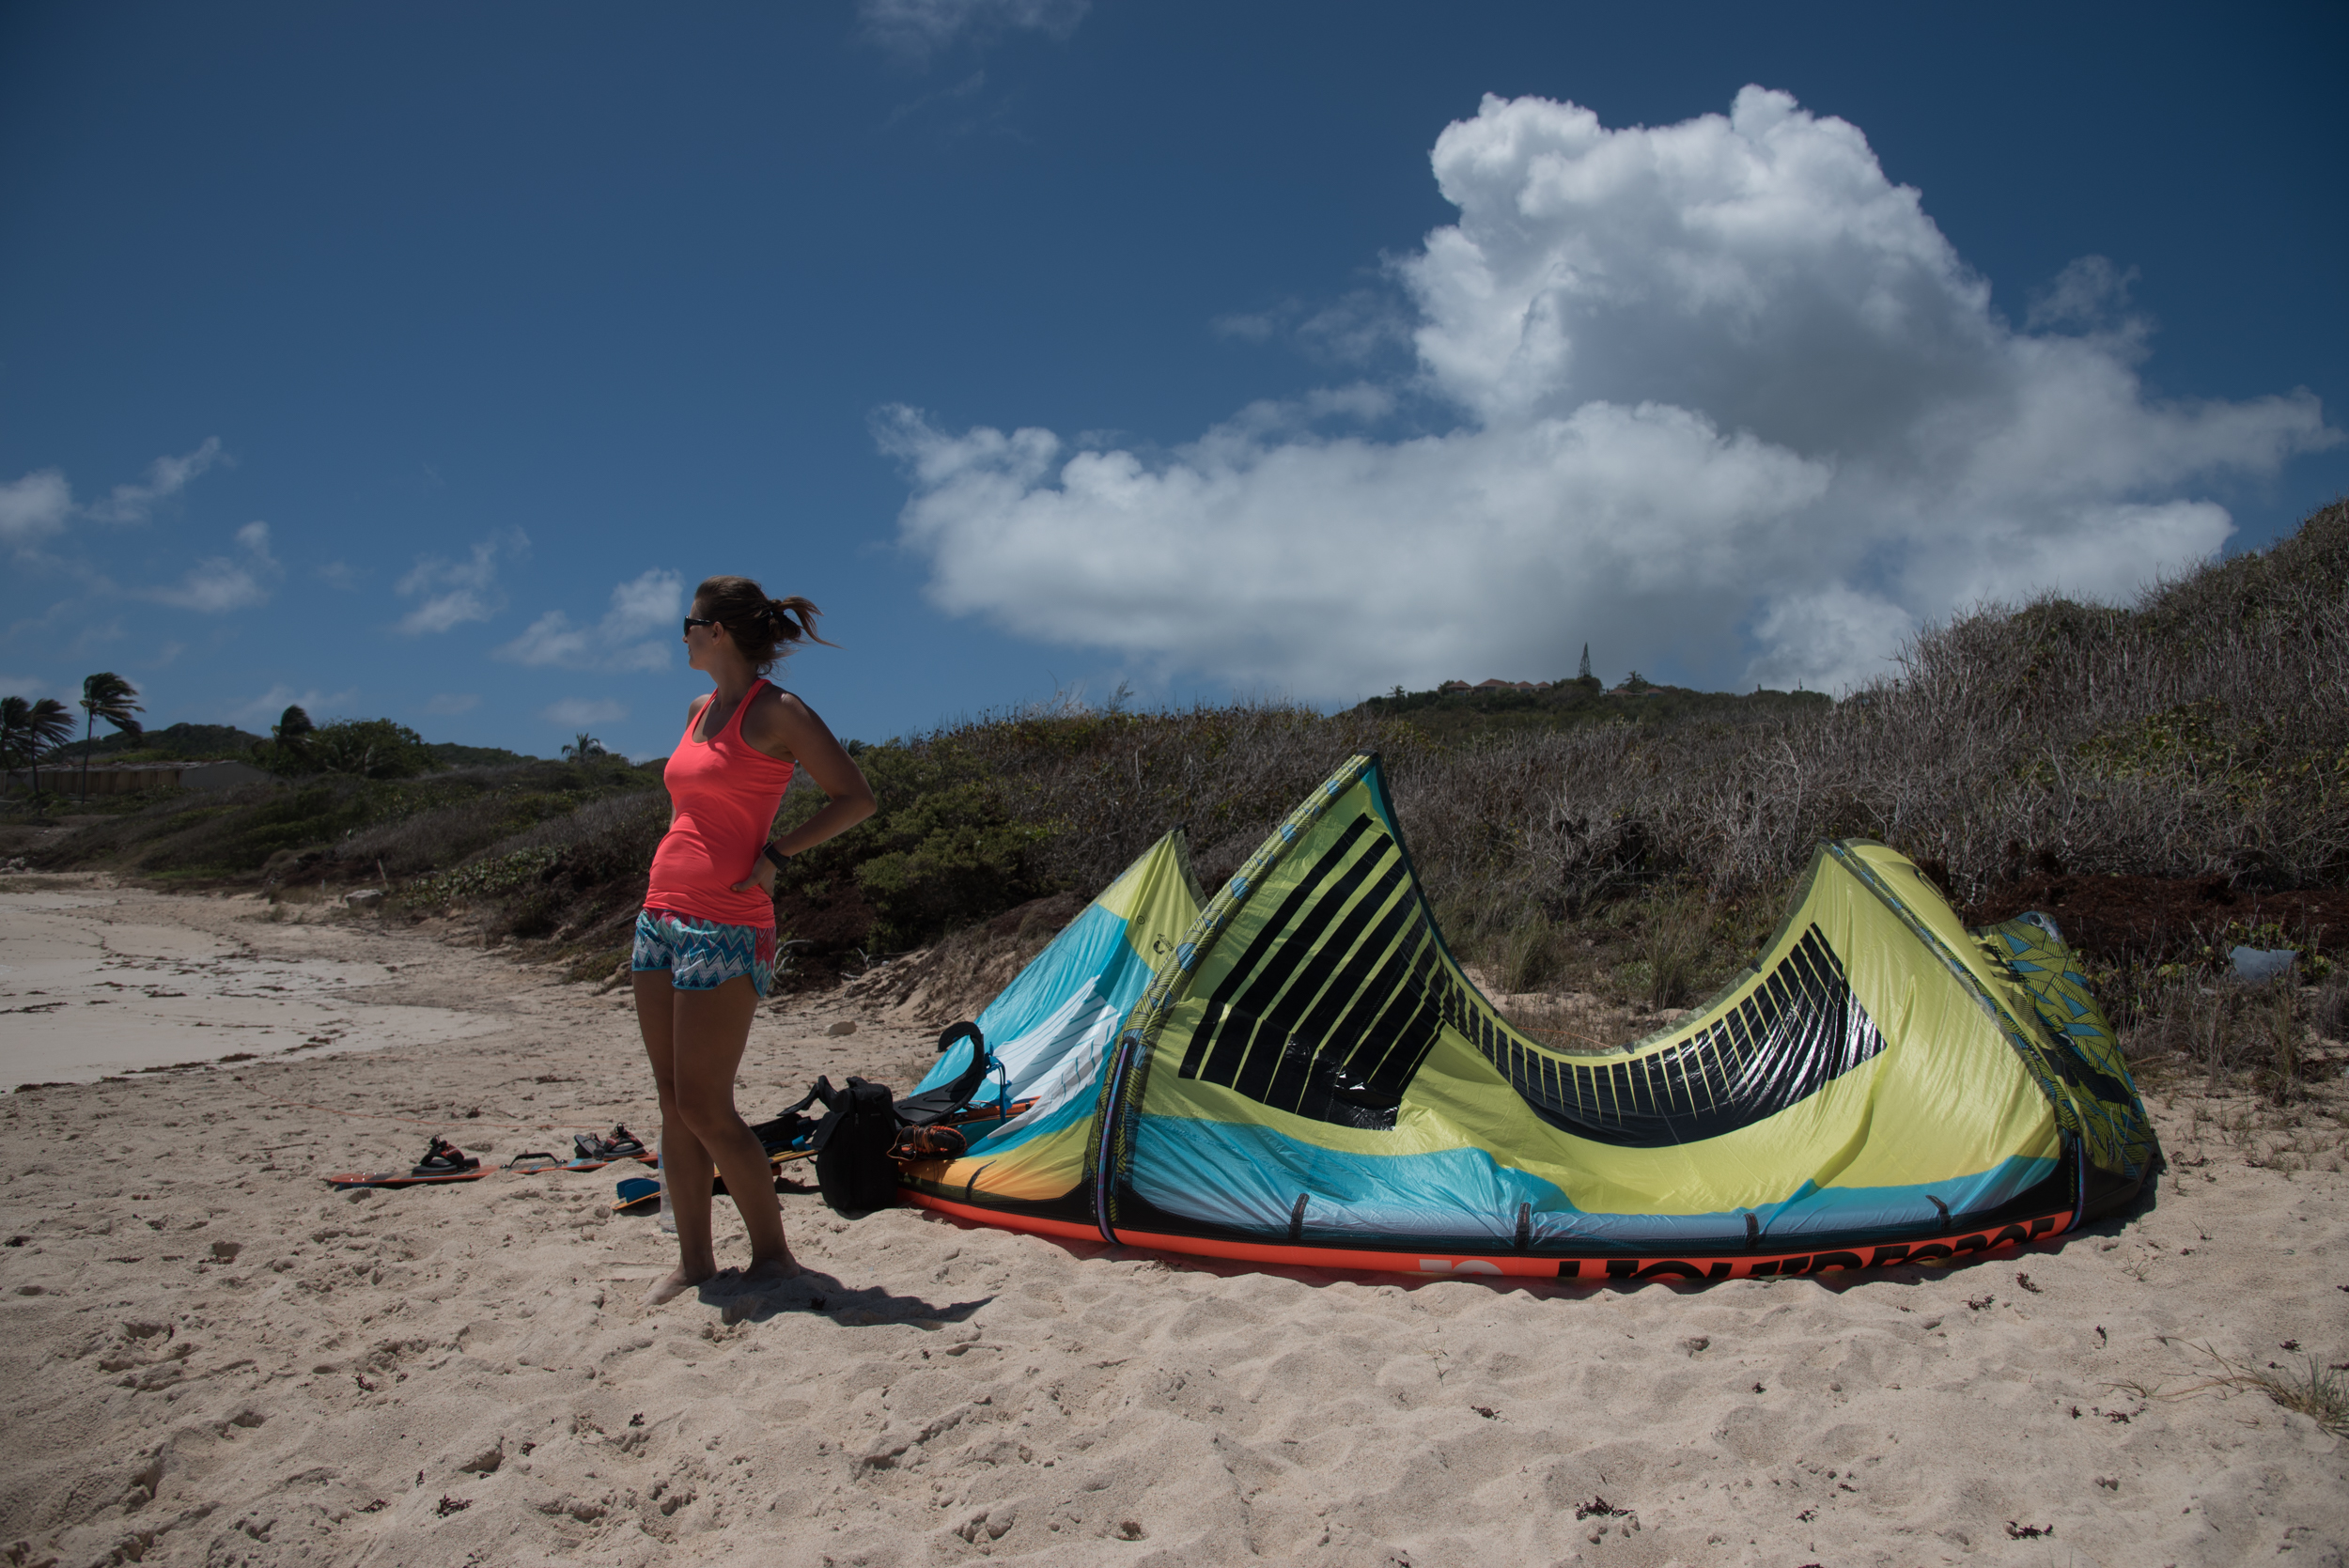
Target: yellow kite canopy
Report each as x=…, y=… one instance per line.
x=1311, y=1078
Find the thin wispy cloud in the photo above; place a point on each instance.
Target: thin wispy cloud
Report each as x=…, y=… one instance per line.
x=100, y=638
x=264, y=710
x=2088, y=295
x=1716, y=397
x=220, y=584
x=451, y=593
x=1249, y=326
x=38, y=505
x=916, y=30
x=33, y=688
x=961, y=92
x=579, y=711
x=638, y=632
x=1352, y=330
x=166, y=477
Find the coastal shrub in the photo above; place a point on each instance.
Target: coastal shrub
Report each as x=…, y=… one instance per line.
x=1106, y=783
x=338, y=827
x=477, y=809
x=198, y=836
x=948, y=861
x=594, y=860
x=2201, y=732
x=486, y=879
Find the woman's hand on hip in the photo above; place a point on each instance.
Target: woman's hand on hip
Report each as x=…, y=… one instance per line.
x=762, y=876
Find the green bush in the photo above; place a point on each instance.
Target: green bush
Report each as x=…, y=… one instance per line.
x=948, y=859
x=507, y=874
x=353, y=747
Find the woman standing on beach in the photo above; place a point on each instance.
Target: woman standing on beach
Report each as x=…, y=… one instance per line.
x=705, y=941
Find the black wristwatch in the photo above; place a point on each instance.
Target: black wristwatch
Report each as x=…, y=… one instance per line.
x=769, y=850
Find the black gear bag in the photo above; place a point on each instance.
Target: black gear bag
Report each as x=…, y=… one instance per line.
x=853, y=1142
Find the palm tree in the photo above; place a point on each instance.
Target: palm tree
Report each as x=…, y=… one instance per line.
x=586, y=746
x=289, y=746
x=108, y=696
x=16, y=720
x=50, y=726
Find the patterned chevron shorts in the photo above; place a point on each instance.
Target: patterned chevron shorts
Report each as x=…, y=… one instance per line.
x=702, y=954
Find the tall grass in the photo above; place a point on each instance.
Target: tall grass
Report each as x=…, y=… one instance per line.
x=2262, y=1037
x=2315, y=1390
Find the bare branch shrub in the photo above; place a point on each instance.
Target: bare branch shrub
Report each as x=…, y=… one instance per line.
x=2205, y=731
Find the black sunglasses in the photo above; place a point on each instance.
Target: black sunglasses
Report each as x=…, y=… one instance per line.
x=692, y=621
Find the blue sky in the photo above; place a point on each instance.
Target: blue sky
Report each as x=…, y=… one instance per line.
x=404, y=360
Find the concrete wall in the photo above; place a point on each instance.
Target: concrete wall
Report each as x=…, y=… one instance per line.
x=136, y=778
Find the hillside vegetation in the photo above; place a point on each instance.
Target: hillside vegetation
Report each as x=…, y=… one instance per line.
x=216, y=742
x=1568, y=704
x=191, y=741
x=2195, y=743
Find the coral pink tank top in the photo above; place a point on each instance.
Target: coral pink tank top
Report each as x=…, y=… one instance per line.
x=726, y=791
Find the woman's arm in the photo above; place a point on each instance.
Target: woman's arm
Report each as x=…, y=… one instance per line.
x=781, y=725
x=693, y=713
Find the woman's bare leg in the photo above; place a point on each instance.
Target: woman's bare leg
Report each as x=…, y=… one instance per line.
x=689, y=1200
x=695, y=1061
x=712, y=1028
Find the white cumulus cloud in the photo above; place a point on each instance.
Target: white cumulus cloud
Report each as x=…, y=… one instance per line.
x=34, y=507
x=450, y=592
x=575, y=711
x=636, y=633
x=1724, y=400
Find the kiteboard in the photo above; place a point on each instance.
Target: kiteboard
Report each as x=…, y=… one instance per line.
x=443, y=1162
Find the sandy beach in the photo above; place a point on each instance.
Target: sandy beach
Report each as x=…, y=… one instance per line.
x=212, y=1358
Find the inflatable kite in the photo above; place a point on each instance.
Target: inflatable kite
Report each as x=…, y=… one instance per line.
x=1302, y=1074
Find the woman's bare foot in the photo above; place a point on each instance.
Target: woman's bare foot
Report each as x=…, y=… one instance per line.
x=758, y=1287
x=772, y=1271
x=679, y=1281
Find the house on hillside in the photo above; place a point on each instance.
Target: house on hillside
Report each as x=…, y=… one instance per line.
x=1454, y=687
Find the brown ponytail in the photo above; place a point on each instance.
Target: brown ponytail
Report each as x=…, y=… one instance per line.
x=762, y=628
